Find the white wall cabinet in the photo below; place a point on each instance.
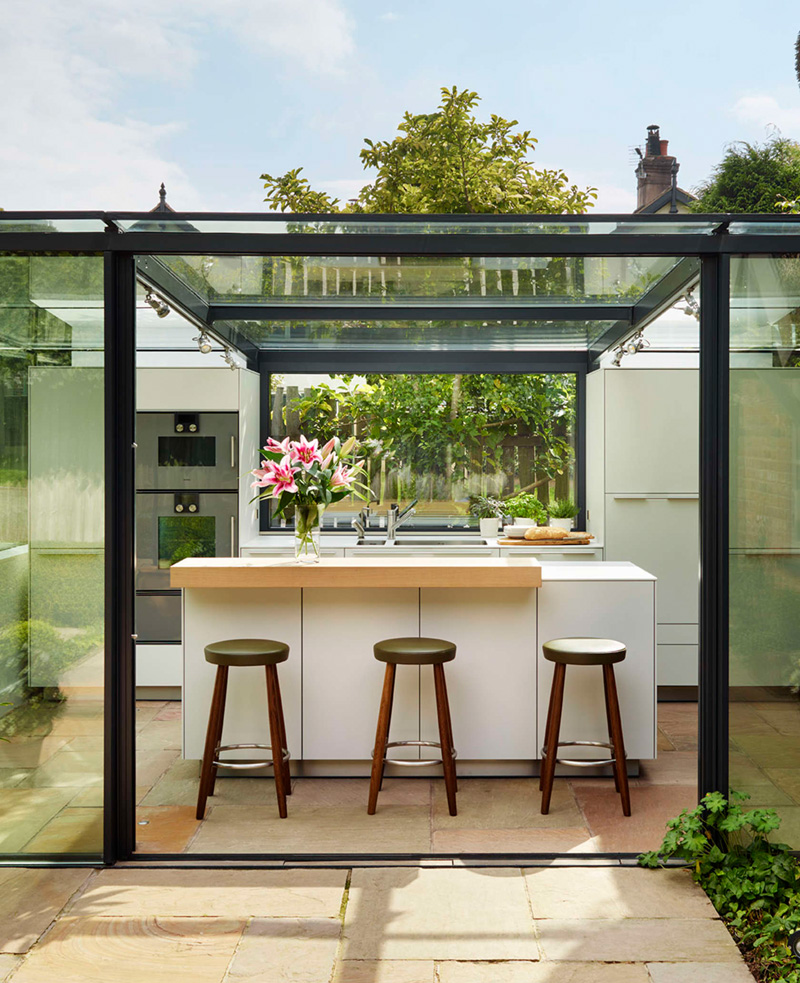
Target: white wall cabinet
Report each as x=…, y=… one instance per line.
x=643, y=488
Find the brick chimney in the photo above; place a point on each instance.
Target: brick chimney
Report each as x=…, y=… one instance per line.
x=656, y=171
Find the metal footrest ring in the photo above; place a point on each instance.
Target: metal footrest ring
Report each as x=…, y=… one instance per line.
x=411, y=763
x=245, y=765
x=587, y=763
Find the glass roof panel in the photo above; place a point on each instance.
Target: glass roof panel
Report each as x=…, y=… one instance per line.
x=404, y=335
x=420, y=280
x=765, y=303
x=781, y=226
x=57, y=224
x=419, y=224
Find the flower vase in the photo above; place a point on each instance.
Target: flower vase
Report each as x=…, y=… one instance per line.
x=307, y=526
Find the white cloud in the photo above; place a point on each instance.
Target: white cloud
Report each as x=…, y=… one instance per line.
x=764, y=111
x=64, y=66
x=612, y=199
x=390, y=15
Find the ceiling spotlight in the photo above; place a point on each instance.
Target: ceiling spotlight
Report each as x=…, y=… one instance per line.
x=159, y=306
x=691, y=306
x=203, y=342
x=636, y=344
x=230, y=360
x=617, y=360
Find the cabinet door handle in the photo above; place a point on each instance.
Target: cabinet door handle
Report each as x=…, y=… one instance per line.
x=233, y=535
x=233, y=451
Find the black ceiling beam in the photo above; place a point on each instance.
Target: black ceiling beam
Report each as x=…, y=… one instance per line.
x=327, y=310
x=655, y=301
x=417, y=361
x=515, y=244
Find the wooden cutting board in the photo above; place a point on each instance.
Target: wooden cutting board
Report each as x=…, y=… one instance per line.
x=573, y=539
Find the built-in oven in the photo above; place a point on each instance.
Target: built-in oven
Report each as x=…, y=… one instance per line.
x=172, y=526
x=187, y=450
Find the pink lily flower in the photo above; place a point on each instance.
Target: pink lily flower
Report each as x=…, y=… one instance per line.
x=305, y=452
x=328, y=448
x=326, y=460
x=277, y=446
x=280, y=477
x=341, y=477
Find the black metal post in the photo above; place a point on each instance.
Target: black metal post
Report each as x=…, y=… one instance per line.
x=120, y=421
x=714, y=507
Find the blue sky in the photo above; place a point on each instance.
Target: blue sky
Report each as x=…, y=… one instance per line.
x=104, y=99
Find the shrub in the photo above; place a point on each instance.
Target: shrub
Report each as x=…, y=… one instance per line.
x=753, y=883
x=526, y=506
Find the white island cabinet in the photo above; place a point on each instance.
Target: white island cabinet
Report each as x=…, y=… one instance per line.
x=498, y=611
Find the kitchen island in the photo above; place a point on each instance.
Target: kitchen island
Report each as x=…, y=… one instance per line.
x=498, y=611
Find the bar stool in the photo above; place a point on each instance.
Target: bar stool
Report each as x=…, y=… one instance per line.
x=565, y=652
x=414, y=652
x=245, y=652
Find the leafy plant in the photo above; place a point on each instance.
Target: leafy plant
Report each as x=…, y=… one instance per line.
x=752, y=882
x=527, y=506
x=563, y=508
x=484, y=507
x=753, y=177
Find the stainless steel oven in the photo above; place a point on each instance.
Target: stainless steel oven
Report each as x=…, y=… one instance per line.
x=172, y=526
x=187, y=450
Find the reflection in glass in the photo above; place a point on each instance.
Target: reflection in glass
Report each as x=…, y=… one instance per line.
x=181, y=536
x=52, y=516
x=765, y=536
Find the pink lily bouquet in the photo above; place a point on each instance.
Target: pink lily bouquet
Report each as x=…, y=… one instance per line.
x=309, y=477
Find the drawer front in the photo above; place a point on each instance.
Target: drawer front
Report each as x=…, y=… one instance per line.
x=555, y=555
x=276, y=551
x=677, y=665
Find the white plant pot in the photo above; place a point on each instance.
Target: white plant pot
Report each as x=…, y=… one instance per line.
x=566, y=524
x=489, y=528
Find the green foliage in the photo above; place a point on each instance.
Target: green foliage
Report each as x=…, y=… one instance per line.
x=13, y=477
x=753, y=883
x=753, y=177
x=442, y=162
x=484, y=507
x=527, y=506
x=444, y=426
x=563, y=508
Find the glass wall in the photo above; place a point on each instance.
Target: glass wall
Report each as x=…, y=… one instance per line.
x=51, y=554
x=440, y=439
x=765, y=535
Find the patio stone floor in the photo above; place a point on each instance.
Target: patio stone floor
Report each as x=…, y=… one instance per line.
x=52, y=795
x=441, y=924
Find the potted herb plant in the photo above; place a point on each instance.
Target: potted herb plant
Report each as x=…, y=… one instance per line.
x=489, y=512
x=527, y=507
x=562, y=513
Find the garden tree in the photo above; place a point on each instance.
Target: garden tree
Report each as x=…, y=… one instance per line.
x=753, y=177
x=445, y=161
x=446, y=426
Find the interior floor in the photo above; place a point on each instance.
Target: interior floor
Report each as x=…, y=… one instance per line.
x=51, y=768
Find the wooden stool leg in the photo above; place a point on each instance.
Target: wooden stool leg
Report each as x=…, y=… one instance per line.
x=449, y=726
x=275, y=738
x=546, y=732
x=215, y=719
x=388, y=732
x=445, y=738
x=621, y=766
x=610, y=735
x=287, y=776
x=551, y=737
x=381, y=737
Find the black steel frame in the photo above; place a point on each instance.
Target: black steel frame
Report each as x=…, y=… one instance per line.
x=120, y=249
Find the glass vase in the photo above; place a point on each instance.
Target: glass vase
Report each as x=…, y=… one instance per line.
x=307, y=526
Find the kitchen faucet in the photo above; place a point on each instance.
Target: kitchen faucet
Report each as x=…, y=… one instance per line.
x=396, y=518
x=361, y=522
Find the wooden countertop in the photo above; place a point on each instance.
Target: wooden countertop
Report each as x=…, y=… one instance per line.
x=406, y=571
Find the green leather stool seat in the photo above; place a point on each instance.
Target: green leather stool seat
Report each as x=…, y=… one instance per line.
x=247, y=652
x=415, y=651
x=584, y=651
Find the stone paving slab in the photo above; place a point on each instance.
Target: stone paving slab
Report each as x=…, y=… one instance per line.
x=445, y=913
x=30, y=900
x=395, y=971
x=286, y=950
x=615, y=892
x=542, y=972
x=697, y=940
x=699, y=973
x=130, y=950
x=230, y=893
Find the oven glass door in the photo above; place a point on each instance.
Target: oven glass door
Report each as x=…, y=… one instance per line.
x=172, y=527
x=168, y=459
